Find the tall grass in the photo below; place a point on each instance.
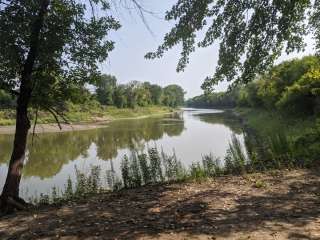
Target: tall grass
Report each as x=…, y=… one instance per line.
x=154, y=167
x=235, y=159
x=274, y=151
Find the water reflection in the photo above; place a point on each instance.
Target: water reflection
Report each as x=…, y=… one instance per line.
x=225, y=118
x=52, y=157
x=49, y=152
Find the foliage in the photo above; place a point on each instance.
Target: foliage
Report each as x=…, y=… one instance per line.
x=70, y=46
x=235, y=159
x=272, y=85
x=6, y=101
x=151, y=168
x=248, y=95
x=307, y=145
x=173, y=96
x=213, y=100
x=212, y=165
x=155, y=165
x=304, y=95
x=136, y=169
x=137, y=94
x=276, y=141
x=105, y=91
x=251, y=34
x=291, y=87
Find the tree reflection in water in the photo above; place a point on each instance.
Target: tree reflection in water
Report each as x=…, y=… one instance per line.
x=51, y=151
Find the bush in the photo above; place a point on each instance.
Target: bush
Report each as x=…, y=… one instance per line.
x=6, y=100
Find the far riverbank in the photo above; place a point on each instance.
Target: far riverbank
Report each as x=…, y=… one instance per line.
x=47, y=124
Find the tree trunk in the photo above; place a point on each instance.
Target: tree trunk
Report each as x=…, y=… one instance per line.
x=11, y=187
x=10, y=194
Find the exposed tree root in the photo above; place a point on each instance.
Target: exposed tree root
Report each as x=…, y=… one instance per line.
x=10, y=204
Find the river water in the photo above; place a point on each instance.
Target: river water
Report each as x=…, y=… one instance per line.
x=52, y=158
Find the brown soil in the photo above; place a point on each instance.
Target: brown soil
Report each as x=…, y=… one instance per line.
x=281, y=205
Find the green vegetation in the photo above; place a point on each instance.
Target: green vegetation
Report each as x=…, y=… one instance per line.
x=50, y=56
x=295, y=139
x=136, y=93
x=49, y=52
x=251, y=34
x=109, y=101
x=157, y=167
x=291, y=88
x=282, y=108
x=91, y=110
x=90, y=113
x=213, y=100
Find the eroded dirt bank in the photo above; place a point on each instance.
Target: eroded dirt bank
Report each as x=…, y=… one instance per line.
x=278, y=205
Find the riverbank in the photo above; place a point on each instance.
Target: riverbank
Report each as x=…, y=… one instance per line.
x=285, y=206
x=80, y=120
x=266, y=122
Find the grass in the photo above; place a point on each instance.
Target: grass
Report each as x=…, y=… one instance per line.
x=267, y=122
x=145, y=168
x=282, y=140
x=7, y=117
x=89, y=114
x=116, y=113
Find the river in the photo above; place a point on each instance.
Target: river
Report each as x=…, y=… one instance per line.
x=52, y=157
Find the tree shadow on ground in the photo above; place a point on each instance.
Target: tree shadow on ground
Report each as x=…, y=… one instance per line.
x=186, y=209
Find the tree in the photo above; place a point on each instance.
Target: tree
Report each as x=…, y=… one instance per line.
x=156, y=93
x=173, y=96
x=120, y=99
x=304, y=95
x=131, y=91
x=214, y=100
x=48, y=51
x=280, y=77
x=143, y=95
x=106, y=86
x=252, y=34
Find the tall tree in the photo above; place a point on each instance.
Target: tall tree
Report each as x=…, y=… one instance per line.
x=173, y=95
x=106, y=86
x=49, y=49
x=251, y=34
x=156, y=92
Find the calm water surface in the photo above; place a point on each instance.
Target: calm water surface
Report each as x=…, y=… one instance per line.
x=53, y=156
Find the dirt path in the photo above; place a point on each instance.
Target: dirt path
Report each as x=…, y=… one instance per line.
x=286, y=207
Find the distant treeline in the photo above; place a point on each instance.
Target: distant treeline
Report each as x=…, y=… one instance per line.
x=213, y=100
x=130, y=95
x=292, y=87
x=137, y=93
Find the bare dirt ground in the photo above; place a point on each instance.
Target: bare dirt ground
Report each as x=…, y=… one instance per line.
x=281, y=205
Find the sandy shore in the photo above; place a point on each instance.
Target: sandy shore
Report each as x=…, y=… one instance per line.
x=53, y=128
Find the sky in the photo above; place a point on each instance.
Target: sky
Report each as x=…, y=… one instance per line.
x=133, y=40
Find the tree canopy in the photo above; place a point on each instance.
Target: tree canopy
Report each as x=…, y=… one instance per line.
x=72, y=40
x=251, y=34
x=49, y=51
x=291, y=87
x=137, y=93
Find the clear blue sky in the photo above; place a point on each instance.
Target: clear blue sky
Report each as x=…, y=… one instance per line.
x=134, y=40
